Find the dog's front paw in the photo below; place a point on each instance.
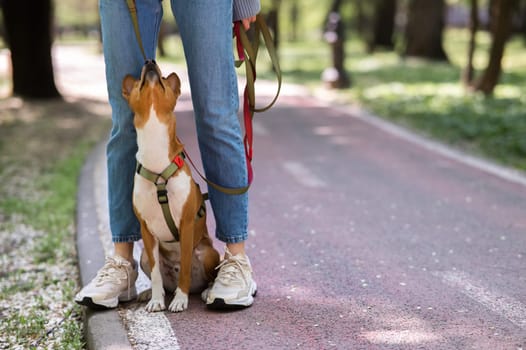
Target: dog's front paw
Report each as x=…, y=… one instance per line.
x=155, y=305
x=179, y=302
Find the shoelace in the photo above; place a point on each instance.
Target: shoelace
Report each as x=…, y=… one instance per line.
x=113, y=271
x=228, y=270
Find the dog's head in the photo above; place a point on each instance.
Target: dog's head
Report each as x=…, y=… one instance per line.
x=151, y=92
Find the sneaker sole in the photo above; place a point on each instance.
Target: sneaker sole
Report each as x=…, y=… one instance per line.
x=108, y=304
x=88, y=302
x=220, y=304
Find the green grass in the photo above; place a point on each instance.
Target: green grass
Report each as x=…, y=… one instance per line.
x=52, y=214
x=429, y=97
x=31, y=328
x=23, y=327
x=62, y=179
x=38, y=193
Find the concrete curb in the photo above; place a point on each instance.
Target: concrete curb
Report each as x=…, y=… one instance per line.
x=103, y=330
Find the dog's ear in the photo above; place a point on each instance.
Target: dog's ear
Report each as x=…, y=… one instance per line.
x=127, y=86
x=174, y=83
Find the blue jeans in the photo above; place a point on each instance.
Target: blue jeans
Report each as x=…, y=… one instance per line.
x=206, y=32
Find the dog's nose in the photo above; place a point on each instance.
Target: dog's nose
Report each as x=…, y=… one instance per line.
x=150, y=66
x=150, y=72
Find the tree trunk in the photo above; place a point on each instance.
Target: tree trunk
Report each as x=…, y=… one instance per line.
x=361, y=20
x=294, y=14
x=383, y=25
x=334, y=33
x=273, y=22
x=28, y=32
x=501, y=24
x=424, y=29
x=468, y=75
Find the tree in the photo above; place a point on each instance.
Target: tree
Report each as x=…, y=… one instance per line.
x=424, y=29
x=29, y=38
x=473, y=28
x=272, y=21
x=383, y=25
x=334, y=33
x=501, y=12
x=294, y=14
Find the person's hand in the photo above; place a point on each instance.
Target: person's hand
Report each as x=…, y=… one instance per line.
x=246, y=22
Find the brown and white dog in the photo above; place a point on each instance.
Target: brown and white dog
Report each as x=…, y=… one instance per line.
x=188, y=265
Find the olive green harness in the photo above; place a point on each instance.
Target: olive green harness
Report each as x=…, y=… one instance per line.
x=161, y=181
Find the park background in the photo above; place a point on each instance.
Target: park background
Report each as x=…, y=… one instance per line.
x=435, y=77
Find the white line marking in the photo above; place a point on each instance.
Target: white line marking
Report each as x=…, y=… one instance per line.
x=507, y=307
x=303, y=175
x=405, y=336
x=150, y=331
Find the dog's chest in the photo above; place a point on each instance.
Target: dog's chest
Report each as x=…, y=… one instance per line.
x=146, y=203
x=153, y=151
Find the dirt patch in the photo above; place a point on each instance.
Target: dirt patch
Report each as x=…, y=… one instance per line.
x=34, y=135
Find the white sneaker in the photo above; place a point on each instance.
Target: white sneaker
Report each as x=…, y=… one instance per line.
x=233, y=287
x=114, y=282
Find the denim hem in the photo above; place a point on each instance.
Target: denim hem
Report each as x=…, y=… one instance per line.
x=128, y=239
x=232, y=238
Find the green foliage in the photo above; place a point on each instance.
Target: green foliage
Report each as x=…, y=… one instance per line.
x=430, y=98
x=76, y=12
x=311, y=15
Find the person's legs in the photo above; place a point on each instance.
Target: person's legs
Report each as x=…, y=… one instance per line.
x=206, y=32
x=116, y=280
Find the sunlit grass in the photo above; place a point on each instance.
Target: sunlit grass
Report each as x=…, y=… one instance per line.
x=52, y=214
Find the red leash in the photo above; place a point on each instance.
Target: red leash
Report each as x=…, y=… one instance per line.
x=248, y=110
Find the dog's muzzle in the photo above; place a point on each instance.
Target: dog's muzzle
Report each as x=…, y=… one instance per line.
x=150, y=72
